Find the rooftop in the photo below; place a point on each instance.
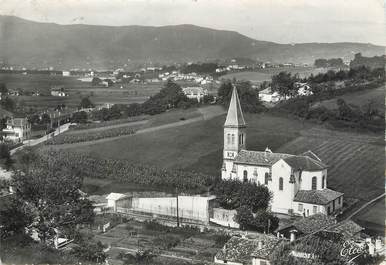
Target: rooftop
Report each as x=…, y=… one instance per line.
x=347, y=228
x=259, y=158
x=309, y=224
x=235, y=116
x=320, y=197
x=305, y=163
x=241, y=250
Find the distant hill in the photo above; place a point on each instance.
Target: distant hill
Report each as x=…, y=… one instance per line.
x=66, y=46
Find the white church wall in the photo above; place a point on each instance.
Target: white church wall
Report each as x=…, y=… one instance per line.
x=251, y=170
x=306, y=183
x=282, y=199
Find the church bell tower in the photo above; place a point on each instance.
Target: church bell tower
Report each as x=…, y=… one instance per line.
x=234, y=134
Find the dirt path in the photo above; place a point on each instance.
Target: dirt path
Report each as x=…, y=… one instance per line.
x=364, y=206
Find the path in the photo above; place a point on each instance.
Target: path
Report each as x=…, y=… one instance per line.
x=32, y=142
x=207, y=114
x=364, y=206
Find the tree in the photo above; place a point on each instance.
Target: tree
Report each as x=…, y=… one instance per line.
x=79, y=117
x=249, y=97
x=5, y=156
x=8, y=104
x=14, y=217
x=45, y=119
x=51, y=192
x=91, y=251
x=244, y=217
x=265, y=221
x=284, y=84
x=95, y=81
x=3, y=89
x=86, y=103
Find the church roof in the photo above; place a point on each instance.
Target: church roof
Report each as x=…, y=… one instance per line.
x=304, y=163
x=258, y=158
x=320, y=197
x=268, y=159
x=235, y=116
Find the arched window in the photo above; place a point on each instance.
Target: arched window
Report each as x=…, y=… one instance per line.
x=233, y=139
x=280, y=183
x=323, y=182
x=314, y=183
x=229, y=138
x=245, y=176
x=266, y=178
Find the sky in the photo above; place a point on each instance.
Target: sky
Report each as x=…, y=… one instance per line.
x=283, y=21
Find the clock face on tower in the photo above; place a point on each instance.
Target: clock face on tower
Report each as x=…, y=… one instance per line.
x=230, y=154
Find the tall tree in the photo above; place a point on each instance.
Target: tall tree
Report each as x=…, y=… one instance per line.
x=52, y=193
x=284, y=84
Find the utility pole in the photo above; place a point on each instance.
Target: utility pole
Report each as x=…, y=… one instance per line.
x=178, y=218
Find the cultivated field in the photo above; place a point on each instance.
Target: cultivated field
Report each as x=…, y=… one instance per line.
x=373, y=218
x=253, y=77
x=360, y=98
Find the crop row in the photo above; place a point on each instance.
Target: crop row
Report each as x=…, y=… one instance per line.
x=127, y=172
x=91, y=136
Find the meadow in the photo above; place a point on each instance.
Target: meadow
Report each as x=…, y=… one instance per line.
x=373, y=218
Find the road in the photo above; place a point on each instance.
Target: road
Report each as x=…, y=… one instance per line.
x=364, y=206
x=33, y=142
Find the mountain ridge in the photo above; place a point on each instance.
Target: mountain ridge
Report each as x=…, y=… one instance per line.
x=40, y=44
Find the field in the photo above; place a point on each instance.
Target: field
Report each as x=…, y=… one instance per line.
x=373, y=218
x=375, y=96
x=253, y=77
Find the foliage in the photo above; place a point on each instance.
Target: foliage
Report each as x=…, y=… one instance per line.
x=94, y=125
x=79, y=117
x=124, y=171
x=333, y=62
x=90, y=136
x=244, y=217
x=51, y=192
x=166, y=241
x=249, y=97
x=45, y=119
x=140, y=257
x=86, y=103
x=7, y=103
x=232, y=194
x=204, y=68
x=370, y=62
x=5, y=156
x=90, y=251
x=3, y=89
x=95, y=81
x=14, y=217
x=284, y=84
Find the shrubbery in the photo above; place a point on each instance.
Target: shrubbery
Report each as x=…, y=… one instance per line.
x=107, y=123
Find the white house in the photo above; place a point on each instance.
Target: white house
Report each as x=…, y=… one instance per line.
x=17, y=130
x=298, y=182
x=303, y=89
x=195, y=92
x=268, y=96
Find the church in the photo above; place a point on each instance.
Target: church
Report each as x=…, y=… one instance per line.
x=298, y=182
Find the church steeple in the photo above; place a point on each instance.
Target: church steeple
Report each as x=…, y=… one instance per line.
x=235, y=118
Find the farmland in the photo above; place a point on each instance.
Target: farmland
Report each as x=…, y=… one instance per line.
x=373, y=217
x=360, y=98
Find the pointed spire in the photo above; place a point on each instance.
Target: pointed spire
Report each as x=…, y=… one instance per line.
x=235, y=116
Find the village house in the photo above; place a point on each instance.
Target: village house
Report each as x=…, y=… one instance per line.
x=58, y=92
x=197, y=93
x=267, y=95
x=17, y=130
x=298, y=182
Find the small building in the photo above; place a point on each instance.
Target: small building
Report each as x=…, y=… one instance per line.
x=17, y=130
x=241, y=251
x=58, y=92
x=303, y=89
x=267, y=95
x=195, y=92
x=66, y=73
x=115, y=200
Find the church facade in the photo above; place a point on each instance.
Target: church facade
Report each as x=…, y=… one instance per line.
x=298, y=182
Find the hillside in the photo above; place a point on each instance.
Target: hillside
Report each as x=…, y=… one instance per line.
x=34, y=44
